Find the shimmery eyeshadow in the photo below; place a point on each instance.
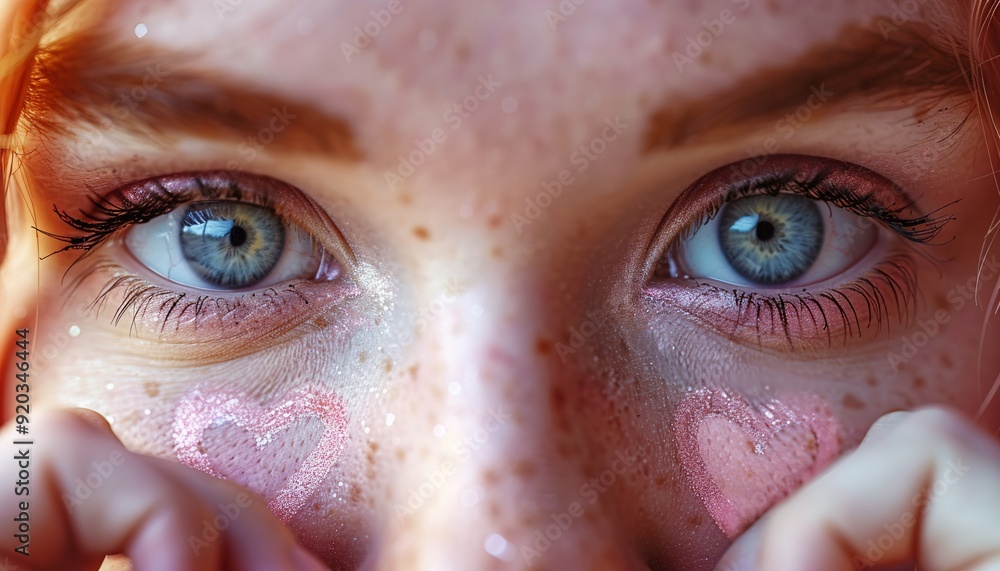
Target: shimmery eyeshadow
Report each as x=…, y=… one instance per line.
x=740, y=459
x=198, y=412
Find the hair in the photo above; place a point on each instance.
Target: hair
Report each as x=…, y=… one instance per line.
x=32, y=20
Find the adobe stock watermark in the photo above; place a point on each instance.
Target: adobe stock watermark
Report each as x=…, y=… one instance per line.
x=223, y=7
x=84, y=487
x=581, y=158
x=212, y=529
x=366, y=33
x=279, y=120
x=564, y=520
x=957, y=297
x=462, y=449
x=698, y=43
x=427, y=315
x=896, y=530
x=127, y=101
x=563, y=11
x=579, y=334
x=454, y=116
x=902, y=14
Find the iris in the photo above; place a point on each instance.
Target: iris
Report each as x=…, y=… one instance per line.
x=231, y=244
x=771, y=240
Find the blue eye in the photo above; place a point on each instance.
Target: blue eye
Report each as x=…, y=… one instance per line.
x=774, y=240
x=231, y=244
x=771, y=240
x=226, y=245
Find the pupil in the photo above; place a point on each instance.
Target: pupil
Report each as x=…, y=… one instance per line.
x=237, y=236
x=765, y=231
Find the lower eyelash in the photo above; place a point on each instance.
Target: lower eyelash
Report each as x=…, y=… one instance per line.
x=885, y=294
x=150, y=303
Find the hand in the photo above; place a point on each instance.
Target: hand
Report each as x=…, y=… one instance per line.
x=90, y=497
x=923, y=486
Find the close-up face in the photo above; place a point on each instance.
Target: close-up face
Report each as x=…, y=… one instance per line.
x=501, y=285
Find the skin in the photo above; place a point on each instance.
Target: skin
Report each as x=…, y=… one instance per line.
x=501, y=300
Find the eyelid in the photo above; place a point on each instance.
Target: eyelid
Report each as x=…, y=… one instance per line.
x=706, y=196
x=146, y=199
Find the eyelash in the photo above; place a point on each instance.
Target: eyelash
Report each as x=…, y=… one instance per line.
x=111, y=215
x=889, y=287
x=922, y=229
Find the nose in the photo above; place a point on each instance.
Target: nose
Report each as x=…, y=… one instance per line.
x=494, y=467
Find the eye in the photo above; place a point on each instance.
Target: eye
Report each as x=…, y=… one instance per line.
x=208, y=255
x=226, y=245
x=789, y=251
x=781, y=240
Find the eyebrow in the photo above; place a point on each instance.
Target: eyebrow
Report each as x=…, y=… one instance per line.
x=91, y=81
x=902, y=67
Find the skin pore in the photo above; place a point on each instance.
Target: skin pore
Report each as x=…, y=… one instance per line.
x=498, y=186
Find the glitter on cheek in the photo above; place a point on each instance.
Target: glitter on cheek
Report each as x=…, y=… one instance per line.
x=198, y=412
x=741, y=459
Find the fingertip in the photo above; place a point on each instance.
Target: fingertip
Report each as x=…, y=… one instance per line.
x=884, y=425
x=92, y=418
x=306, y=561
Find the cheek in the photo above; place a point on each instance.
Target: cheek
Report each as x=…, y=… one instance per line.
x=284, y=451
x=740, y=458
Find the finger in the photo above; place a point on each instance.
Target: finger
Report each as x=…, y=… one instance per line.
x=255, y=538
x=92, y=497
x=931, y=478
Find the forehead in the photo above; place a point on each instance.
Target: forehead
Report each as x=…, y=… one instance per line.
x=400, y=64
x=515, y=86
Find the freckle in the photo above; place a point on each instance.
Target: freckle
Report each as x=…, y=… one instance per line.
x=661, y=481
x=421, y=232
x=413, y=371
x=852, y=402
x=919, y=382
x=152, y=389
x=490, y=477
x=557, y=398
x=494, y=221
x=400, y=454
x=321, y=322
x=941, y=302
x=543, y=346
x=363, y=357
x=462, y=52
x=946, y=360
x=524, y=468
x=812, y=446
x=496, y=252
x=695, y=520
x=388, y=365
x=355, y=493
x=872, y=382
x=405, y=198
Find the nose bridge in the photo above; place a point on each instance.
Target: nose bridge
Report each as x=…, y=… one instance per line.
x=495, y=478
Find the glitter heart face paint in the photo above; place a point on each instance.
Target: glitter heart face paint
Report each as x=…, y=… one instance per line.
x=230, y=454
x=741, y=459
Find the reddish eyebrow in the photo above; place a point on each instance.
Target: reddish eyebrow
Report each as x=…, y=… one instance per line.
x=904, y=68
x=88, y=79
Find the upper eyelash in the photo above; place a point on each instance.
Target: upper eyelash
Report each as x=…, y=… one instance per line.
x=922, y=229
x=107, y=217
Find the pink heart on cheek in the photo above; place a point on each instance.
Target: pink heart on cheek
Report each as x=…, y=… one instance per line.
x=198, y=413
x=741, y=460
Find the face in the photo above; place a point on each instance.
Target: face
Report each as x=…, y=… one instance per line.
x=507, y=285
